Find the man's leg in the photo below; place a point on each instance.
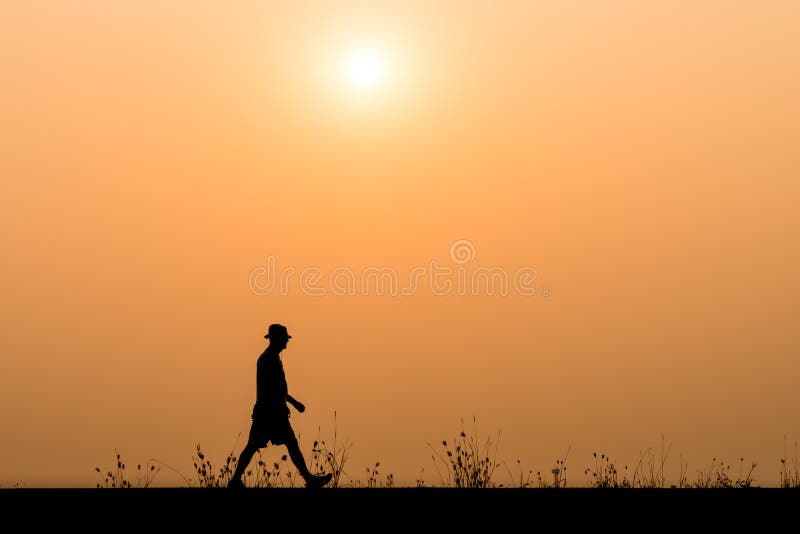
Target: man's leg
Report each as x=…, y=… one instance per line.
x=244, y=461
x=312, y=481
x=297, y=456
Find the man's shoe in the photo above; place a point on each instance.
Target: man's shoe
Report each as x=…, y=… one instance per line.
x=236, y=483
x=317, y=481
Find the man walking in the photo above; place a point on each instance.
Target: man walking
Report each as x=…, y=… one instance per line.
x=271, y=414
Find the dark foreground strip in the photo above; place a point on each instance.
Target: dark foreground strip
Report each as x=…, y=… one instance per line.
x=407, y=508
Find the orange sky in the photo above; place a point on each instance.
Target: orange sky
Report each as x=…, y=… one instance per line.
x=641, y=156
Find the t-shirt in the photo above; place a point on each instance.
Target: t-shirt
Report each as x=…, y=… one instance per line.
x=271, y=387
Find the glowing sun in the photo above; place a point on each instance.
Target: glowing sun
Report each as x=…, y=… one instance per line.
x=365, y=69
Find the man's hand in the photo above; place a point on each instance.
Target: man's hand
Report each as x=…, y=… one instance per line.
x=299, y=406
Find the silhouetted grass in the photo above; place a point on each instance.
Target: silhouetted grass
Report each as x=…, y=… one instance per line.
x=558, y=472
x=606, y=475
x=464, y=461
x=790, y=476
x=207, y=475
x=719, y=475
x=375, y=480
x=117, y=477
x=522, y=479
x=331, y=459
x=647, y=473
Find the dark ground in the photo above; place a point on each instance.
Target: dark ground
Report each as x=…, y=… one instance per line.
x=386, y=509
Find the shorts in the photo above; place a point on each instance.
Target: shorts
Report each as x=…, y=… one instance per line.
x=270, y=426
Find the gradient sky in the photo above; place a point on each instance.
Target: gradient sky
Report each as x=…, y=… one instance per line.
x=641, y=156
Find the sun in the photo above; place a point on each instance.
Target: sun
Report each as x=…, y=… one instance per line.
x=365, y=69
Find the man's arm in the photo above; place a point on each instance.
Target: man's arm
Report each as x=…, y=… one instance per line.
x=299, y=406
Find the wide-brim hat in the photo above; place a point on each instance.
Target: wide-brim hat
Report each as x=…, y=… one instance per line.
x=277, y=331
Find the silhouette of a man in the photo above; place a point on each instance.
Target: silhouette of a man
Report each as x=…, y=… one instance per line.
x=271, y=414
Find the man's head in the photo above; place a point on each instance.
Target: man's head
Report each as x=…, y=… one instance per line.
x=278, y=336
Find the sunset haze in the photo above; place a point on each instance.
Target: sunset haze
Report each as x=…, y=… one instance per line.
x=158, y=159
